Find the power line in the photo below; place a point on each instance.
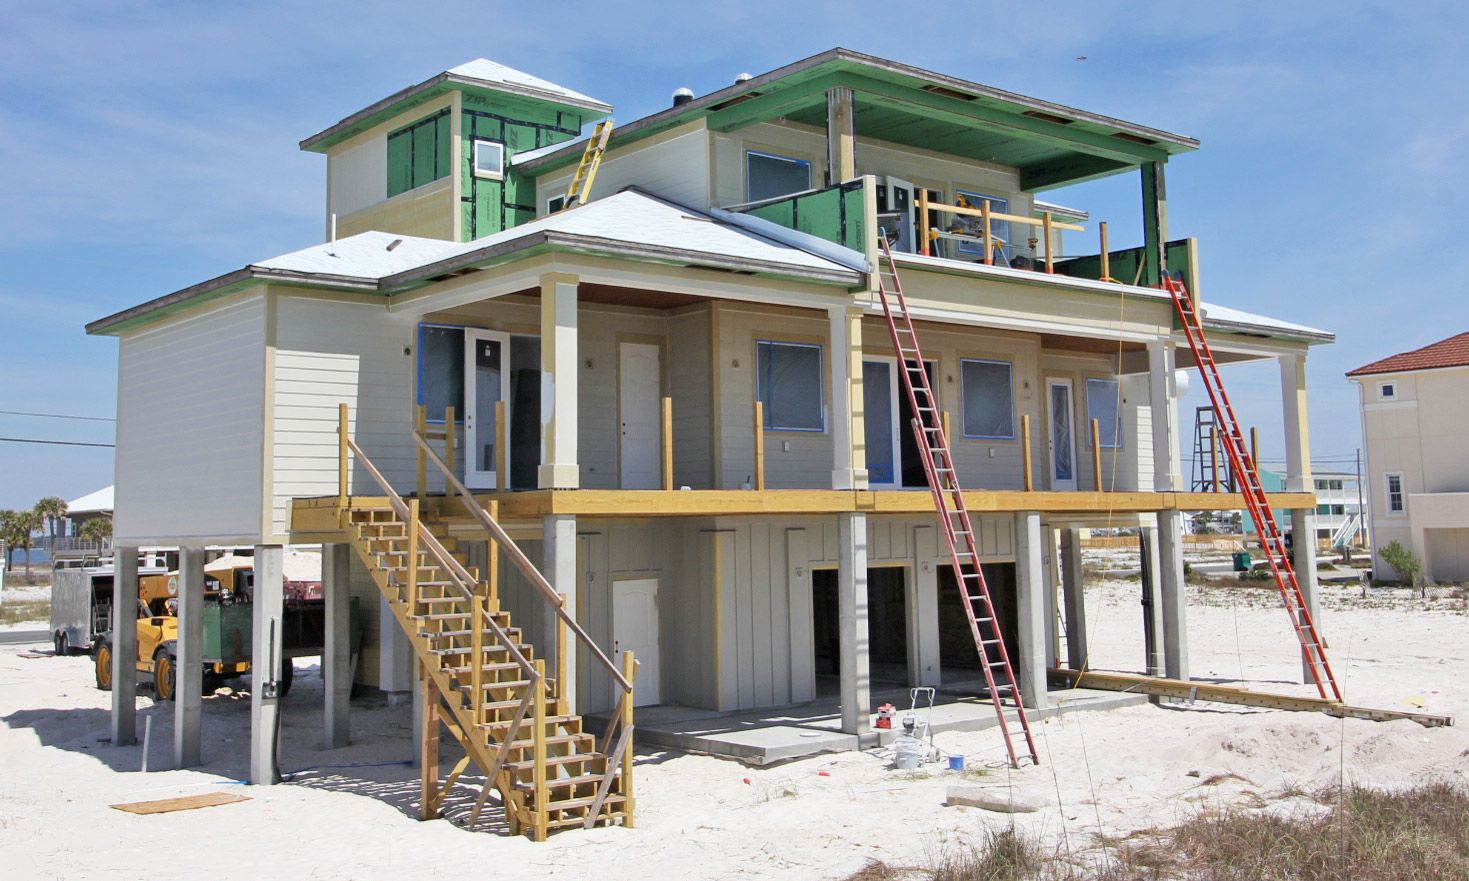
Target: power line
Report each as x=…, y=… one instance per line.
x=57, y=416
x=60, y=443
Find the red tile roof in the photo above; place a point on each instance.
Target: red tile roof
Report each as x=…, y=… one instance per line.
x=1452, y=352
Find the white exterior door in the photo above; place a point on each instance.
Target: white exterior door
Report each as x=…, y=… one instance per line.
x=880, y=421
x=1060, y=417
x=639, y=378
x=486, y=382
x=635, y=629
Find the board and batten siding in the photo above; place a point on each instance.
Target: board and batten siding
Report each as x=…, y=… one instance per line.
x=190, y=399
x=689, y=363
x=331, y=352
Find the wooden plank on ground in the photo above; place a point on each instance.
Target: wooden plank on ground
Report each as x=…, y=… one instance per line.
x=1233, y=694
x=184, y=803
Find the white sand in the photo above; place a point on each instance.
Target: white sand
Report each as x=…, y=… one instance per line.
x=1117, y=771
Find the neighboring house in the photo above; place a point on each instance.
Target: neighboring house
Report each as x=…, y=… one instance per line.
x=71, y=549
x=725, y=258
x=1414, y=423
x=1339, y=520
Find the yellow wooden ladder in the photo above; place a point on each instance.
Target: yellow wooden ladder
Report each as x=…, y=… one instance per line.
x=586, y=170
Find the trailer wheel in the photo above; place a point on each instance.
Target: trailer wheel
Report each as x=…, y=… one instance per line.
x=163, y=675
x=103, y=664
x=63, y=646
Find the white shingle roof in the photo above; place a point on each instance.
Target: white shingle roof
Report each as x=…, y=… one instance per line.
x=494, y=73
x=364, y=255
x=1226, y=318
x=95, y=502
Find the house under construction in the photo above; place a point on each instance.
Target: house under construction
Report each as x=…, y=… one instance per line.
x=637, y=430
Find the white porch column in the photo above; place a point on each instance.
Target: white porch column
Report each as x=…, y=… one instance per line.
x=856, y=685
x=1031, y=586
x=844, y=405
x=125, y=646
x=336, y=659
x=559, y=366
x=1297, y=431
x=265, y=661
x=188, y=707
x=923, y=615
x=558, y=564
x=1303, y=542
x=1174, y=594
x=1071, y=586
x=1162, y=363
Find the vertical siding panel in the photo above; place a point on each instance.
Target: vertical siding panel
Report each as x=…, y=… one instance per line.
x=744, y=618
x=761, y=648
x=802, y=653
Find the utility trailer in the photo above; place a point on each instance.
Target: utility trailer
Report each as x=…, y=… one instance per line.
x=81, y=605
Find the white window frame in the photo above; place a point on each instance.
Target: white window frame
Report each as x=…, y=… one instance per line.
x=964, y=400
x=1117, y=443
x=1387, y=391
x=499, y=147
x=1402, y=493
x=820, y=384
x=810, y=172
x=555, y=203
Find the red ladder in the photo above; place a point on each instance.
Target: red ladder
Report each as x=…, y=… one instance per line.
x=948, y=500
x=1313, y=649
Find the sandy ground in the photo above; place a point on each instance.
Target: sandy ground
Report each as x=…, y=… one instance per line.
x=349, y=815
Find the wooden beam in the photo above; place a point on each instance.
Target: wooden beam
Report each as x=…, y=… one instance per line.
x=1025, y=454
x=428, y=755
x=667, y=442
x=1155, y=225
x=502, y=456
x=450, y=438
x=1097, y=455
x=342, y=485
x=420, y=424
x=841, y=136
x=1232, y=694
x=759, y=446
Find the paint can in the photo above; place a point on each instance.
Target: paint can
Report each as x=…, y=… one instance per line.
x=907, y=752
x=956, y=763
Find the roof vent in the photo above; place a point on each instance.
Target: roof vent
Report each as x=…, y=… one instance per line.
x=1048, y=117
x=742, y=77
x=682, y=96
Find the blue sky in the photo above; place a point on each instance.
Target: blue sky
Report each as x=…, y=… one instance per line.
x=149, y=146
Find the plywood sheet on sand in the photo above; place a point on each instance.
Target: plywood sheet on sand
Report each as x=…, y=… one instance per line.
x=186, y=803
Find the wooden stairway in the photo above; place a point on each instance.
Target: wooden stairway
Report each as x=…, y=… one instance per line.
x=483, y=681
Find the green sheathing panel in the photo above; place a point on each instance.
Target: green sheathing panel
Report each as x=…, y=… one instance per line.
x=1123, y=264
x=489, y=205
x=834, y=214
x=418, y=153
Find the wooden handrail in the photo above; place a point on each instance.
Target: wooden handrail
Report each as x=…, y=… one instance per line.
x=431, y=543
x=523, y=563
x=998, y=215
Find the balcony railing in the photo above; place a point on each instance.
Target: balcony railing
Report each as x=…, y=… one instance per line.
x=835, y=213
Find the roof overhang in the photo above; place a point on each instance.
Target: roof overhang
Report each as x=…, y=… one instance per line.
x=1051, y=144
x=427, y=90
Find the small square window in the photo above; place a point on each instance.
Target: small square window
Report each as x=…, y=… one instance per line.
x=788, y=380
x=989, y=398
x=1387, y=390
x=555, y=203
x=768, y=176
x=489, y=159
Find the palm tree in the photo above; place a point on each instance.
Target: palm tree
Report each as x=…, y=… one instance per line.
x=7, y=537
x=98, y=529
x=24, y=525
x=51, y=510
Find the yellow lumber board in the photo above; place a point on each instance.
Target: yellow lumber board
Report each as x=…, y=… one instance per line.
x=1234, y=694
x=184, y=803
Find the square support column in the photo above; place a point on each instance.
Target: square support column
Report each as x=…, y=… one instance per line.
x=336, y=660
x=923, y=609
x=1174, y=594
x=559, y=366
x=1303, y=549
x=265, y=663
x=848, y=433
x=1071, y=587
x=1151, y=600
x=188, y=706
x=558, y=564
x=856, y=681
x=1031, y=586
x=125, y=647
x=1162, y=401
x=397, y=666
x=841, y=136
x=1297, y=429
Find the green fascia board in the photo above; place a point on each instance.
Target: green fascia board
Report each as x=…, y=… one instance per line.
x=1086, y=132
x=428, y=90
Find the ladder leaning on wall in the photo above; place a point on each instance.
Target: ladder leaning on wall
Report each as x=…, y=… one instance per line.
x=586, y=169
x=953, y=513
x=1242, y=465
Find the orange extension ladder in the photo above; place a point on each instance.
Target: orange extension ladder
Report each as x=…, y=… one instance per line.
x=1313, y=649
x=948, y=500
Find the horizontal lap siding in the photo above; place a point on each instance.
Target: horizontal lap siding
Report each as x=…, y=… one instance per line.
x=190, y=425
x=329, y=353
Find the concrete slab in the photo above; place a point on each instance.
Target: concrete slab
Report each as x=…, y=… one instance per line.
x=770, y=736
